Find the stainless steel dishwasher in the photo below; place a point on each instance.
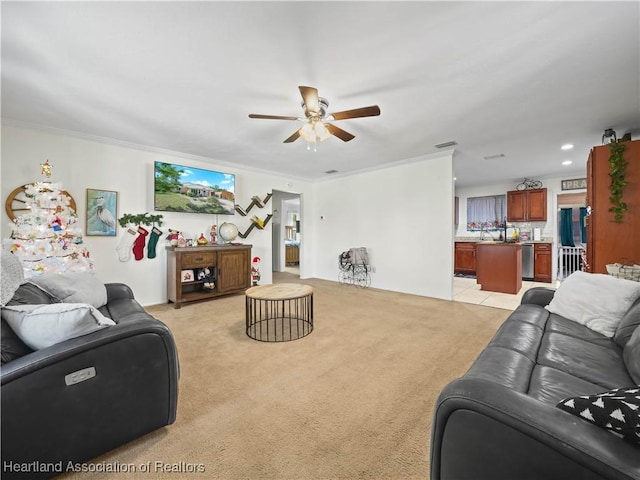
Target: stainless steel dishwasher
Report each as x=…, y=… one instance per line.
x=527, y=261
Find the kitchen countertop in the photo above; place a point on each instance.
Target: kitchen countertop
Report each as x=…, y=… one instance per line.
x=477, y=240
x=500, y=244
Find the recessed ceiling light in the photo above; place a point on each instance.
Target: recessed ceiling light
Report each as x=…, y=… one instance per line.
x=567, y=162
x=567, y=146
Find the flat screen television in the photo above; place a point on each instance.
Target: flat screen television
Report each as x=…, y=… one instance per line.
x=193, y=190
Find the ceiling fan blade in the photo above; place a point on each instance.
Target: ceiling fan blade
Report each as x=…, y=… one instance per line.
x=271, y=117
x=293, y=137
x=338, y=132
x=310, y=98
x=371, y=111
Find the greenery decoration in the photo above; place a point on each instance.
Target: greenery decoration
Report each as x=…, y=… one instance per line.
x=140, y=219
x=618, y=166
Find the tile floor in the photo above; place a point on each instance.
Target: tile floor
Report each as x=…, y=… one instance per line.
x=468, y=291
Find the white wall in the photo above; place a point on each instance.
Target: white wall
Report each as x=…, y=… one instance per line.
x=402, y=214
x=82, y=163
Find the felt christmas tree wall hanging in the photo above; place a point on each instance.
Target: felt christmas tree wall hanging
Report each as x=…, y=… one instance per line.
x=48, y=237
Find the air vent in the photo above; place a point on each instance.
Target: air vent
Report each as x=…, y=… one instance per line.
x=452, y=143
x=493, y=157
x=331, y=171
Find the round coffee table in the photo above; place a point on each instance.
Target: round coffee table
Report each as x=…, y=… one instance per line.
x=279, y=312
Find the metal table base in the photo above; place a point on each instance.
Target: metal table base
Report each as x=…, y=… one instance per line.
x=279, y=312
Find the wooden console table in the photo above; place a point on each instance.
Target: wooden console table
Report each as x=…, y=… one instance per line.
x=229, y=267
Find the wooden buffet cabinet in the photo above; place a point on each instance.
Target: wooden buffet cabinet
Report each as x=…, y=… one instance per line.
x=609, y=241
x=230, y=267
x=527, y=205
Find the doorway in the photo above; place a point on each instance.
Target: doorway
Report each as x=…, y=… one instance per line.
x=286, y=231
x=572, y=234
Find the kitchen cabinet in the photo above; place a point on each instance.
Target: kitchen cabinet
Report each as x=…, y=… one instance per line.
x=465, y=258
x=542, y=262
x=500, y=267
x=228, y=265
x=609, y=241
x=527, y=205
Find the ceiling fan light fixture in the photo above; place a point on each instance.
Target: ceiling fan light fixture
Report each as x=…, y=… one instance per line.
x=321, y=131
x=314, y=131
x=307, y=133
x=316, y=126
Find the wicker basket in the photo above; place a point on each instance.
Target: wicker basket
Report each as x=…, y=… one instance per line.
x=627, y=272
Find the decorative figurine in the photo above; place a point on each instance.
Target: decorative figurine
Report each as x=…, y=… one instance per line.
x=207, y=276
x=255, y=270
x=173, y=237
x=202, y=240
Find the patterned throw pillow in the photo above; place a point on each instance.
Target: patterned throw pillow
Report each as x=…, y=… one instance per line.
x=616, y=410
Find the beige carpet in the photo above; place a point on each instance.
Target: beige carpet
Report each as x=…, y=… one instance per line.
x=353, y=400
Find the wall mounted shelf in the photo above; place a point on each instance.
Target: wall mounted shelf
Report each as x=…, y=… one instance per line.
x=256, y=201
x=256, y=222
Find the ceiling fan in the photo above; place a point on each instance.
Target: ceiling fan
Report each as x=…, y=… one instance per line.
x=317, y=126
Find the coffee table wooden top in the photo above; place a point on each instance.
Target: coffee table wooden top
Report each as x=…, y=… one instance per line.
x=279, y=291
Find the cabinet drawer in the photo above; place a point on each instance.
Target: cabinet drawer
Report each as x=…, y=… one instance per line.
x=198, y=259
x=542, y=246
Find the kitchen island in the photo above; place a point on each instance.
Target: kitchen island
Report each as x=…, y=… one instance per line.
x=499, y=266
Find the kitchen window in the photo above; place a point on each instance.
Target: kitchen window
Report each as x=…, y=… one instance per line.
x=486, y=213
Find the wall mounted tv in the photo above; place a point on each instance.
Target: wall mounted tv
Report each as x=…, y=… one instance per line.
x=192, y=190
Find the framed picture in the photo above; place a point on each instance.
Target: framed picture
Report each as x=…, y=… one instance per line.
x=187, y=276
x=102, y=213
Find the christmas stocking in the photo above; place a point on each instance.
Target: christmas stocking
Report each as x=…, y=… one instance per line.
x=153, y=241
x=125, y=244
x=138, y=245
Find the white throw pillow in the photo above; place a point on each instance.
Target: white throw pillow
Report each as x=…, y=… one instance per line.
x=595, y=300
x=12, y=276
x=40, y=326
x=76, y=287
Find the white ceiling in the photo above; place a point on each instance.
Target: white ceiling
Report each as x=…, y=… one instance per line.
x=512, y=78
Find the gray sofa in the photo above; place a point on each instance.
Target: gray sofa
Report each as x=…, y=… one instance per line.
x=55, y=415
x=500, y=421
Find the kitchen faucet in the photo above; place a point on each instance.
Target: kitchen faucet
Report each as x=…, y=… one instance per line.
x=482, y=232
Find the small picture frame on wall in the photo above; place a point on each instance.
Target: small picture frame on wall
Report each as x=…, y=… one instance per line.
x=102, y=213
